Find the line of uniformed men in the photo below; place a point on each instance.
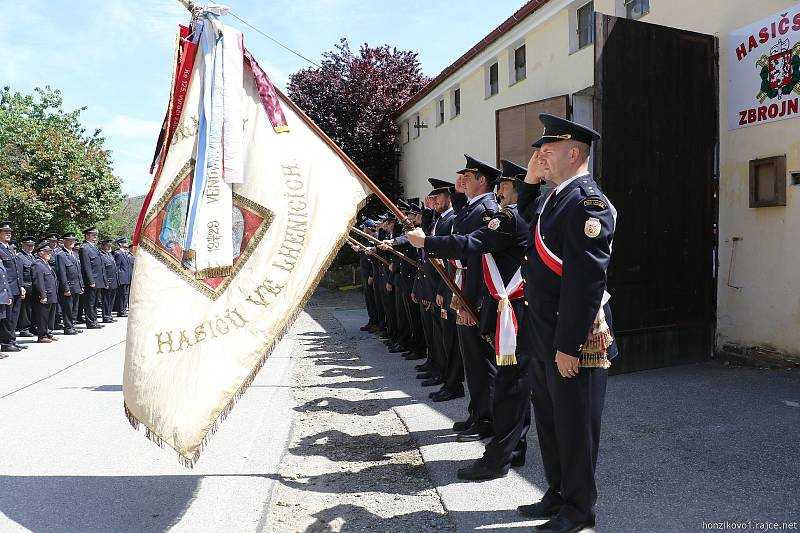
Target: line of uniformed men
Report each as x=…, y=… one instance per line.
x=58, y=284
x=533, y=268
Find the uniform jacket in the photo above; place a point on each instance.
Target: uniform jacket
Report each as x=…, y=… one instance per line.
x=5, y=293
x=92, y=266
x=25, y=262
x=469, y=219
x=577, y=225
x=13, y=270
x=124, y=262
x=44, y=281
x=503, y=234
x=68, y=271
x=110, y=270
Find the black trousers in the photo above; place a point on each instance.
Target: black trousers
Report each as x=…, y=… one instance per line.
x=44, y=318
x=369, y=297
x=90, y=295
x=123, y=294
x=107, y=303
x=451, y=351
x=435, y=358
x=8, y=325
x=389, y=312
x=480, y=370
x=568, y=412
x=512, y=413
x=69, y=309
x=401, y=293
x=26, y=311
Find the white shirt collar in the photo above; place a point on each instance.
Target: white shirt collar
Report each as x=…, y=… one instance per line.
x=449, y=210
x=473, y=200
x=573, y=178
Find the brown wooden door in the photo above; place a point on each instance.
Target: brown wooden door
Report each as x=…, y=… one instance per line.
x=656, y=108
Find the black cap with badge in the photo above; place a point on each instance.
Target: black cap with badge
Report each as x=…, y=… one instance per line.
x=560, y=129
x=441, y=186
x=5, y=225
x=481, y=167
x=512, y=171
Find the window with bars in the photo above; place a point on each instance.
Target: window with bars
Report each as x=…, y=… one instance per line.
x=494, y=85
x=585, y=25
x=519, y=64
x=635, y=9
x=440, y=112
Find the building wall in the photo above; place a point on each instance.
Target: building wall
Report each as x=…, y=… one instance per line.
x=764, y=310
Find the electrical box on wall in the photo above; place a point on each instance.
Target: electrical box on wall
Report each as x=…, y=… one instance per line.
x=768, y=182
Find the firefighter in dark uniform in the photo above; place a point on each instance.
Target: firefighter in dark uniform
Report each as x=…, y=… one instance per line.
x=5, y=297
x=386, y=231
x=109, y=292
x=70, y=284
x=500, y=243
x=8, y=325
x=25, y=258
x=479, y=360
x=94, y=277
x=569, y=321
x=125, y=261
x=45, y=293
x=365, y=265
x=400, y=288
x=55, y=244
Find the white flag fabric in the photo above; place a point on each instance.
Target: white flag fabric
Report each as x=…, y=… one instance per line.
x=194, y=345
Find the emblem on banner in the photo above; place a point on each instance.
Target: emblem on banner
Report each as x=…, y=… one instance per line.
x=780, y=71
x=165, y=224
x=592, y=228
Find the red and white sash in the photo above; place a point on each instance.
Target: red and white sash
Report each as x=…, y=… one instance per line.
x=459, y=276
x=505, y=335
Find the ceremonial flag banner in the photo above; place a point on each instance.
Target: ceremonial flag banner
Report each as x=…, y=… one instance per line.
x=198, y=336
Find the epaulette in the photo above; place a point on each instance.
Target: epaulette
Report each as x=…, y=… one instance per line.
x=594, y=196
x=506, y=212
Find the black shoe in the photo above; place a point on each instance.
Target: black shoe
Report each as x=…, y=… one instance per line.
x=415, y=357
x=24, y=334
x=21, y=346
x=70, y=332
x=397, y=349
x=424, y=367
x=446, y=395
x=10, y=348
x=432, y=382
x=461, y=426
x=365, y=327
x=561, y=524
x=94, y=326
x=475, y=432
x=478, y=470
x=543, y=509
x=425, y=375
x=518, y=461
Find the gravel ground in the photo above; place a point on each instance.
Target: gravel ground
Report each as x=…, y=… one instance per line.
x=351, y=464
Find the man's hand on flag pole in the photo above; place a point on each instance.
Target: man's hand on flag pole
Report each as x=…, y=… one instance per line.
x=416, y=237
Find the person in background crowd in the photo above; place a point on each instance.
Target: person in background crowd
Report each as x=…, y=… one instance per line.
x=44, y=292
x=25, y=258
x=124, y=260
x=70, y=284
x=109, y=291
x=94, y=277
x=14, y=277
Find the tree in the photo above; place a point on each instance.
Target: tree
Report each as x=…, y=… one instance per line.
x=53, y=176
x=352, y=98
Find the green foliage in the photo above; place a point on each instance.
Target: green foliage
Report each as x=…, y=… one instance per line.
x=53, y=175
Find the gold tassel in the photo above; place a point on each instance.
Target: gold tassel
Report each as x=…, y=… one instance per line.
x=281, y=129
x=506, y=360
x=594, y=352
x=213, y=272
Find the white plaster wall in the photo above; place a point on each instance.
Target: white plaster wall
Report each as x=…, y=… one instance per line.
x=766, y=310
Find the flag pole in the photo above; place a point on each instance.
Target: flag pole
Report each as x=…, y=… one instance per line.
x=401, y=255
x=440, y=269
x=367, y=251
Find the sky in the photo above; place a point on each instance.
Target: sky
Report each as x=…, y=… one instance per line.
x=114, y=56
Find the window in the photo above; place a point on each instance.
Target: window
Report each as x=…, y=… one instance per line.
x=440, y=112
x=635, y=9
x=492, y=79
x=519, y=64
x=406, y=132
x=585, y=25
x=455, y=102
x=768, y=182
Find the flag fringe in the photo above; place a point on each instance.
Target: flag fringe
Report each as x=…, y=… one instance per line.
x=189, y=462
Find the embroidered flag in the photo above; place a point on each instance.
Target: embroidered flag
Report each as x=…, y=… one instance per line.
x=196, y=342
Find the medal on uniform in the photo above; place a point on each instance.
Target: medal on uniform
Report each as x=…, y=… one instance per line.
x=592, y=227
